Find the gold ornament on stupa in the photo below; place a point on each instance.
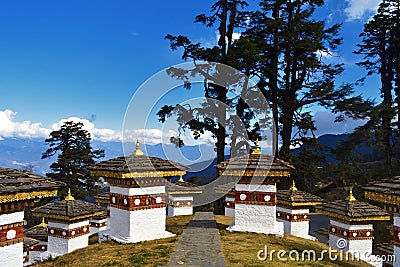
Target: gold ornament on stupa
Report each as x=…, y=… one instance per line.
x=138, y=152
x=256, y=150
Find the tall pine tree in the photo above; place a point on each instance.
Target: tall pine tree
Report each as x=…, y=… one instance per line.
x=71, y=145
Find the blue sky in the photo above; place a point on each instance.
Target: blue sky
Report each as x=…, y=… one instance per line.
x=85, y=59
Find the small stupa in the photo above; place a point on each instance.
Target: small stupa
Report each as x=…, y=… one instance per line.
x=351, y=228
x=180, y=197
x=255, y=190
x=293, y=209
x=68, y=224
x=137, y=195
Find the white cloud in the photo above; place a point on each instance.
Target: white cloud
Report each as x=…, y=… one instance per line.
x=325, y=53
x=104, y=135
x=235, y=36
x=325, y=123
x=9, y=127
x=329, y=18
x=356, y=9
x=25, y=129
x=157, y=136
x=147, y=136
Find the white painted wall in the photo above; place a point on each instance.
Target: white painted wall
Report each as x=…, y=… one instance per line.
x=136, y=226
x=140, y=191
x=294, y=211
x=299, y=229
x=358, y=247
x=397, y=256
x=256, y=218
x=78, y=242
x=396, y=220
x=60, y=246
x=104, y=236
x=177, y=211
x=230, y=212
x=11, y=218
x=352, y=227
x=12, y=256
x=68, y=226
x=258, y=188
x=35, y=256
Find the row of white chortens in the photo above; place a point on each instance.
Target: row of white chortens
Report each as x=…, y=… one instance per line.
x=139, y=201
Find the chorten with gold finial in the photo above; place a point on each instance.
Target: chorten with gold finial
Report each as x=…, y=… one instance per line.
x=36, y=251
x=68, y=224
x=254, y=177
x=351, y=220
x=137, y=195
x=293, y=209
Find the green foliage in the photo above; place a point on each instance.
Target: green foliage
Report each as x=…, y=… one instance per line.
x=228, y=16
x=380, y=48
x=288, y=43
x=280, y=46
x=71, y=145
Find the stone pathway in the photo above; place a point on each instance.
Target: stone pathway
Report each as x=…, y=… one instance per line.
x=199, y=244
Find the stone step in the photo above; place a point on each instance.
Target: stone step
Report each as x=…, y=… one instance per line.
x=199, y=244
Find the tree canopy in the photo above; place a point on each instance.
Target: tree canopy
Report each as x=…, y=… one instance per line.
x=281, y=47
x=71, y=145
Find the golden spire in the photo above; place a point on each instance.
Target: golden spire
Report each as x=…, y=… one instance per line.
x=138, y=152
x=69, y=196
x=351, y=196
x=257, y=150
x=293, y=187
x=43, y=223
x=181, y=178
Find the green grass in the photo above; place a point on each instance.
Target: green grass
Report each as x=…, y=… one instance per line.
x=240, y=249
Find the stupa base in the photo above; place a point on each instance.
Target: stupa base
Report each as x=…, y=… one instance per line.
x=137, y=239
x=276, y=230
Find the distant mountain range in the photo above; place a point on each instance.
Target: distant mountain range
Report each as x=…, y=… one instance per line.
x=19, y=153
x=331, y=141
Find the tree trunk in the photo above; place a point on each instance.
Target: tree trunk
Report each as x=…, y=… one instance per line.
x=274, y=82
x=386, y=108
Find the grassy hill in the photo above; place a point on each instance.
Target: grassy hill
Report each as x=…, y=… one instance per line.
x=240, y=249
